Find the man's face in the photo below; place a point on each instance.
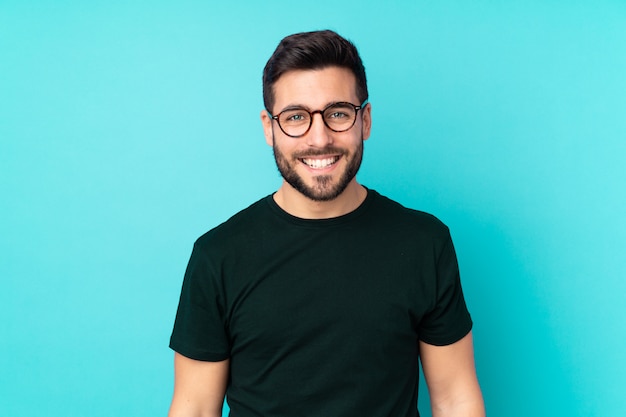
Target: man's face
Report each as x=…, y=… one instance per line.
x=322, y=163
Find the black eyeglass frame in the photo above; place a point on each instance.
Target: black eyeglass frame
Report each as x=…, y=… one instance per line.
x=321, y=112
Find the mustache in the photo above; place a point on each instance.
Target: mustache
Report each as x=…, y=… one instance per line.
x=319, y=152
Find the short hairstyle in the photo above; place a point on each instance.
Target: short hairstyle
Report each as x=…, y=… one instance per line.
x=312, y=51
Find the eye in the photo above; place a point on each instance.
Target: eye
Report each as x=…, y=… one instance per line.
x=339, y=112
x=337, y=115
x=295, y=116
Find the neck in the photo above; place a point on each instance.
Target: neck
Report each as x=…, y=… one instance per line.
x=296, y=204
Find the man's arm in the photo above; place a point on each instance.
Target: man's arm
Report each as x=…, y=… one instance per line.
x=199, y=387
x=451, y=378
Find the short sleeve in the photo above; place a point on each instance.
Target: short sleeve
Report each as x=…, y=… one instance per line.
x=449, y=320
x=199, y=328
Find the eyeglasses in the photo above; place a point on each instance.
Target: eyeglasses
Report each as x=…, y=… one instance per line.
x=338, y=117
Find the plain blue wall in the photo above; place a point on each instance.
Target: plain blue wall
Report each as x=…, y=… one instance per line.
x=127, y=129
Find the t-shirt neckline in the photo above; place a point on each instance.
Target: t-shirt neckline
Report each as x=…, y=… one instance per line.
x=339, y=220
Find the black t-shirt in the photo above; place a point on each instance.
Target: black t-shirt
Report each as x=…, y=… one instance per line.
x=321, y=317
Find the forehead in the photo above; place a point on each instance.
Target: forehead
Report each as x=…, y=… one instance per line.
x=315, y=88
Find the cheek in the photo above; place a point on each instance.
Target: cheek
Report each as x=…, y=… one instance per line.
x=285, y=150
x=357, y=140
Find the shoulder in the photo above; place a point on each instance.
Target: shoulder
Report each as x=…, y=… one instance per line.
x=395, y=215
x=237, y=226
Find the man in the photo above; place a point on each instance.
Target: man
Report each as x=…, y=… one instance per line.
x=318, y=300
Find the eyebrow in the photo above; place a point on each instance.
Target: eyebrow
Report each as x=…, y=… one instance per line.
x=303, y=107
x=295, y=107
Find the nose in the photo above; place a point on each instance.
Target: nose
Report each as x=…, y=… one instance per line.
x=319, y=135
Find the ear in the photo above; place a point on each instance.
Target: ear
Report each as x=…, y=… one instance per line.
x=267, y=127
x=367, y=120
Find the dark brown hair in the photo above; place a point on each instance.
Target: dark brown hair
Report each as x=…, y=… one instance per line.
x=311, y=51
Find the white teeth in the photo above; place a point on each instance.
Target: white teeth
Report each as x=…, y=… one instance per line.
x=319, y=163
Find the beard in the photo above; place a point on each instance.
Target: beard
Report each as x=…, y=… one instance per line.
x=323, y=187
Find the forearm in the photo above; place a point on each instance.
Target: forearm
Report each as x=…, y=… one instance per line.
x=451, y=378
x=473, y=407
x=466, y=410
x=199, y=388
x=186, y=409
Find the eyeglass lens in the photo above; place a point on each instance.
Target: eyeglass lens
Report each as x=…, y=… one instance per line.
x=338, y=117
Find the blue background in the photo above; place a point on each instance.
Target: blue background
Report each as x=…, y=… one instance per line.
x=127, y=129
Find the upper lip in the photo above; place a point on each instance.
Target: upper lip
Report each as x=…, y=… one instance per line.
x=319, y=156
x=320, y=153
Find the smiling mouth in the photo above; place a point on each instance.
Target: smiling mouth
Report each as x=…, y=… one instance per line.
x=319, y=163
